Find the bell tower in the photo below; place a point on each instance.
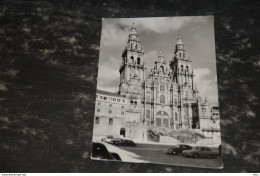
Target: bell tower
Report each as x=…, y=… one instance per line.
x=188, y=96
x=181, y=65
x=132, y=68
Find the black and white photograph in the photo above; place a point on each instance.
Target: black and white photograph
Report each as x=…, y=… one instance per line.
x=129, y=87
x=157, y=94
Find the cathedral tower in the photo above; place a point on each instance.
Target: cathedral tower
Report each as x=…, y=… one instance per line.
x=181, y=65
x=132, y=68
x=188, y=97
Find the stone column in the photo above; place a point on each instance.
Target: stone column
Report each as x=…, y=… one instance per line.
x=190, y=115
x=153, y=114
x=172, y=113
x=144, y=118
x=161, y=120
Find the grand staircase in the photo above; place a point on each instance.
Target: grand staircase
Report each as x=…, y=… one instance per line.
x=168, y=135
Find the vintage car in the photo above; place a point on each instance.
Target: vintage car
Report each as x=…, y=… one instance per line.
x=116, y=141
x=107, y=139
x=123, y=142
x=99, y=151
x=197, y=152
x=177, y=149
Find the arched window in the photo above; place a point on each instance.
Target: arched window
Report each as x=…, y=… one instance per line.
x=132, y=59
x=181, y=67
x=187, y=68
x=131, y=102
x=162, y=99
x=97, y=120
x=148, y=98
x=203, y=111
x=175, y=102
x=110, y=121
x=138, y=60
x=135, y=102
x=176, y=116
x=162, y=88
x=159, y=113
x=161, y=69
x=148, y=114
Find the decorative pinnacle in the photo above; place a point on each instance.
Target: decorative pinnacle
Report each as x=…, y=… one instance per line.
x=206, y=100
x=179, y=39
x=160, y=56
x=133, y=29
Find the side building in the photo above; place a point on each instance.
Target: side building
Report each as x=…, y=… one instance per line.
x=110, y=113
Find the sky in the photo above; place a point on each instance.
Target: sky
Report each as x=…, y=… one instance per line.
x=197, y=34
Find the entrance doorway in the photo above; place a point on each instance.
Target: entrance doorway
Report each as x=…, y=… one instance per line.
x=122, y=132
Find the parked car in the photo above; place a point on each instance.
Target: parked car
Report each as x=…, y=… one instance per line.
x=126, y=142
x=116, y=141
x=123, y=142
x=107, y=139
x=177, y=149
x=197, y=152
x=99, y=151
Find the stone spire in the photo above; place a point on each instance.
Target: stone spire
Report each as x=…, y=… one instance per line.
x=132, y=68
x=133, y=29
x=160, y=56
x=179, y=45
x=179, y=41
x=133, y=43
x=206, y=100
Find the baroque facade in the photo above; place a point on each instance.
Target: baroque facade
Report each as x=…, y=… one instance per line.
x=164, y=106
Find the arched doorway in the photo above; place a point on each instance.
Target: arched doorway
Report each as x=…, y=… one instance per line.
x=162, y=119
x=122, y=132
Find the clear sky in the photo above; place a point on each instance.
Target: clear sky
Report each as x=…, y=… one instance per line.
x=197, y=34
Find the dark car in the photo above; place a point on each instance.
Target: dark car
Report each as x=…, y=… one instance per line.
x=126, y=142
x=123, y=142
x=99, y=151
x=177, y=149
x=200, y=152
x=116, y=141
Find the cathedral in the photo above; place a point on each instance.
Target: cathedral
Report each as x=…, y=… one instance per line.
x=163, y=106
